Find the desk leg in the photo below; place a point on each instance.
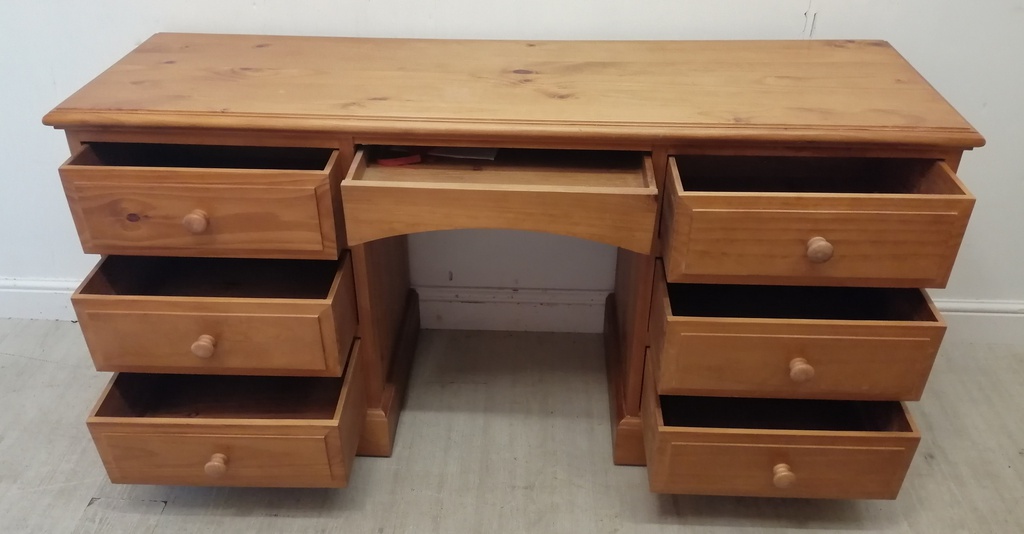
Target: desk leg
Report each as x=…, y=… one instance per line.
x=627, y=313
x=388, y=325
x=627, y=432
x=634, y=283
x=378, y=438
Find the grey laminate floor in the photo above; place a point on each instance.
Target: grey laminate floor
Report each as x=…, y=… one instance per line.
x=503, y=432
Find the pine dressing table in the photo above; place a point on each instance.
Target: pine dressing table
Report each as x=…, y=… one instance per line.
x=778, y=208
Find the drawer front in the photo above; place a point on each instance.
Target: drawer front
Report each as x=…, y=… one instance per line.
x=616, y=206
x=750, y=470
x=836, y=239
x=216, y=335
x=118, y=218
x=773, y=243
x=773, y=463
x=137, y=341
x=231, y=431
x=794, y=358
x=791, y=366
x=247, y=460
x=203, y=212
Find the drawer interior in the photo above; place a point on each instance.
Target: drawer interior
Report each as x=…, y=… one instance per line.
x=533, y=167
x=799, y=302
x=784, y=414
x=212, y=277
x=203, y=156
x=777, y=174
x=220, y=397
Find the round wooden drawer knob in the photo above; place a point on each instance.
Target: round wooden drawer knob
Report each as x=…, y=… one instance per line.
x=196, y=221
x=800, y=370
x=217, y=466
x=204, y=346
x=819, y=250
x=783, y=477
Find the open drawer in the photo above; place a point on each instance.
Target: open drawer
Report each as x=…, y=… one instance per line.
x=189, y=200
x=229, y=430
x=792, y=341
x=218, y=315
x=609, y=197
x=813, y=220
x=776, y=447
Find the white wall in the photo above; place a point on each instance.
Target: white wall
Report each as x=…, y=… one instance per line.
x=972, y=52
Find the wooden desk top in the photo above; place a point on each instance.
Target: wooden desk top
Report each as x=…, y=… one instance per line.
x=637, y=91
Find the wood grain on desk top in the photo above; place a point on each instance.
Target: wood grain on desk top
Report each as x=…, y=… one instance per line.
x=645, y=91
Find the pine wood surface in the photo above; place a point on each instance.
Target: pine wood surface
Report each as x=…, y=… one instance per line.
x=251, y=212
x=752, y=356
x=259, y=447
x=627, y=434
x=605, y=204
x=634, y=280
x=283, y=334
x=835, y=101
x=868, y=463
x=821, y=91
x=381, y=427
x=381, y=271
x=757, y=227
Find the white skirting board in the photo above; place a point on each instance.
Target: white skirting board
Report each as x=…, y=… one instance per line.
x=542, y=310
x=535, y=310
x=969, y=321
x=983, y=321
x=37, y=298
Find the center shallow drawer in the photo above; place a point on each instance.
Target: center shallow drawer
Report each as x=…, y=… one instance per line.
x=218, y=315
x=813, y=220
x=609, y=197
x=776, y=447
x=187, y=200
x=230, y=431
x=792, y=341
